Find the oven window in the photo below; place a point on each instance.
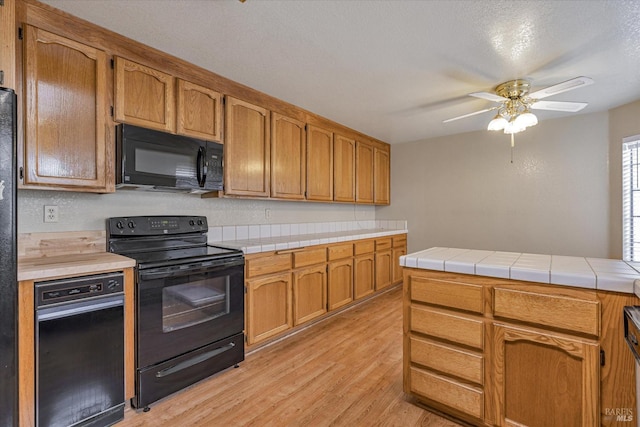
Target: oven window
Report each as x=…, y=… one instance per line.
x=195, y=302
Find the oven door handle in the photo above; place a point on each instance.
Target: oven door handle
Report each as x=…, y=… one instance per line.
x=165, y=272
x=194, y=361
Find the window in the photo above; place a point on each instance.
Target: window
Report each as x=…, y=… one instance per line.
x=631, y=198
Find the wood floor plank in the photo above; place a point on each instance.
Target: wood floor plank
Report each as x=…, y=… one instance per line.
x=343, y=371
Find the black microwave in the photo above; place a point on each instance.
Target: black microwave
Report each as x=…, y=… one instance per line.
x=159, y=161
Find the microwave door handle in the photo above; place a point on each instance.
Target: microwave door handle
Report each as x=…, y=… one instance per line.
x=201, y=167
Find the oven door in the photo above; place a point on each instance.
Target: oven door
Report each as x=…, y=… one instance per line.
x=184, y=307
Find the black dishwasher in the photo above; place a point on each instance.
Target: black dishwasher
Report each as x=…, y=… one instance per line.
x=80, y=351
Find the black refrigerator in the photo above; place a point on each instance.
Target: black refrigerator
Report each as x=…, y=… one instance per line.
x=8, y=260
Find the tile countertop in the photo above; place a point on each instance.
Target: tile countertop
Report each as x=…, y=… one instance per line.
x=45, y=268
x=267, y=244
x=593, y=273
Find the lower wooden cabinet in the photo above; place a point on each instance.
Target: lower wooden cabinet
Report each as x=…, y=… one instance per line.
x=363, y=275
x=542, y=379
x=309, y=293
x=340, y=283
x=269, y=306
x=481, y=350
x=396, y=253
x=383, y=269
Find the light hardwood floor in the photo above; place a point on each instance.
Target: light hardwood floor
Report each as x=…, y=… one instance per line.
x=343, y=371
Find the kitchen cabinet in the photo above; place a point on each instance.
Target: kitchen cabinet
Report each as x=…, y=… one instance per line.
x=381, y=177
x=399, y=248
x=344, y=169
x=144, y=96
x=545, y=379
x=199, y=111
x=290, y=287
x=309, y=283
x=319, y=164
x=340, y=275
x=309, y=293
x=364, y=269
x=67, y=141
x=288, y=148
x=384, y=263
x=506, y=353
x=269, y=306
x=247, y=149
x=364, y=172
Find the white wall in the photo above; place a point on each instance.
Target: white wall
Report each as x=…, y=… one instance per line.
x=84, y=211
x=462, y=191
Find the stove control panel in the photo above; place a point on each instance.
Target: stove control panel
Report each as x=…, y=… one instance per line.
x=155, y=225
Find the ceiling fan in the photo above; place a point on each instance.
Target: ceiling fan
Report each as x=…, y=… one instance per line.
x=514, y=112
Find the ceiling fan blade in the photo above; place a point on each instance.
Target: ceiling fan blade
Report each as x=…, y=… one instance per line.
x=489, y=96
x=469, y=115
x=569, y=107
x=562, y=87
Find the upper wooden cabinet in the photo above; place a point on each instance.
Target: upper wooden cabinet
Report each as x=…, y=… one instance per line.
x=364, y=172
x=344, y=169
x=319, y=164
x=381, y=177
x=199, y=111
x=144, y=96
x=247, y=154
x=67, y=144
x=288, y=148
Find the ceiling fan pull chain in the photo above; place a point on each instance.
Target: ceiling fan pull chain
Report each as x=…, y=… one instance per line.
x=512, y=145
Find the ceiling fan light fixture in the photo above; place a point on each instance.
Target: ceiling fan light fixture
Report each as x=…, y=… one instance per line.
x=526, y=119
x=498, y=123
x=513, y=127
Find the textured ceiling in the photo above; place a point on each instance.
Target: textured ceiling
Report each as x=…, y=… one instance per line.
x=393, y=69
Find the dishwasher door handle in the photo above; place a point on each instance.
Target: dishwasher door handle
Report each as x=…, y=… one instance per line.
x=75, y=308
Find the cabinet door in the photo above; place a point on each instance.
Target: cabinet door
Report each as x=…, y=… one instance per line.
x=144, y=96
x=288, y=148
x=381, y=177
x=199, y=111
x=268, y=306
x=309, y=293
x=383, y=269
x=67, y=144
x=340, y=283
x=397, y=268
x=364, y=172
x=544, y=380
x=363, y=275
x=344, y=172
x=319, y=164
x=246, y=151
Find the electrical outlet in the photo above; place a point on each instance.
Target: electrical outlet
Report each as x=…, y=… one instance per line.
x=267, y=213
x=50, y=214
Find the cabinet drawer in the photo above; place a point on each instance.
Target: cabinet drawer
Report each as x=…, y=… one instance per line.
x=383, y=244
x=464, y=398
x=309, y=257
x=450, y=327
x=449, y=360
x=462, y=296
x=399, y=241
x=556, y=311
x=340, y=251
x=267, y=264
x=364, y=247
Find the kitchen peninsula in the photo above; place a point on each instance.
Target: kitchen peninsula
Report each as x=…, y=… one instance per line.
x=502, y=338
